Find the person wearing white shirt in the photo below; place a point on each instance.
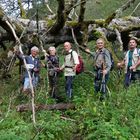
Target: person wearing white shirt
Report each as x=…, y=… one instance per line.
x=70, y=62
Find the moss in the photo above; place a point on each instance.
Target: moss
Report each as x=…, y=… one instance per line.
x=22, y=11
x=109, y=19
x=1, y=12
x=99, y=21
x=97, y=34
x=50, y=22
x=127, y=17
x=72, y=23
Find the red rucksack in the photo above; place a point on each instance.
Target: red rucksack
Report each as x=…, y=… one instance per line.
x=80, y=66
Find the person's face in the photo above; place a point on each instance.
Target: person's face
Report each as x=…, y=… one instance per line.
x=132, y=44
x=100, y=44
x=34, y=53
x=52, y=51
x=67, y=46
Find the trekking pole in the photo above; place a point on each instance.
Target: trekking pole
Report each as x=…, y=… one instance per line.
x=119, y=72
x=103, y=87
x=130, y=75
x=54, y=80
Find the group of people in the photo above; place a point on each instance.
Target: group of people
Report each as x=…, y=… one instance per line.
x=102, y=66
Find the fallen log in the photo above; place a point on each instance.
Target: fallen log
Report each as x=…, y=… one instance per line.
x=59, y=106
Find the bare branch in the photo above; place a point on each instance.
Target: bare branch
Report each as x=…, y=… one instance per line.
x=18, y=46
x=68, y=119
x=9, y=107
x=135, y=9
x=77, y=44
x=119, y=11
x=69, y=7
x=47, y=5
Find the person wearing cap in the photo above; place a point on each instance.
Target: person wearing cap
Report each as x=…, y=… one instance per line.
x=52, y=65
x=33, y=64
x=131, y=63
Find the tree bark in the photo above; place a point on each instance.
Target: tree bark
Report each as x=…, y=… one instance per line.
x=60, y=21
x=58, y=35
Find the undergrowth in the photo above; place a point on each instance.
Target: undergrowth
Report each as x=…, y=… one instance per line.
x=116, y=118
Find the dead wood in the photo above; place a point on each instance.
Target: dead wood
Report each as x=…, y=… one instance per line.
x=59, y=106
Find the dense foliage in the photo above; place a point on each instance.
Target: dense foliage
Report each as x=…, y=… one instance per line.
x=116, y=118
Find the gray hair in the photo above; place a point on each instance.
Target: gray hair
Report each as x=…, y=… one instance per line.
x=34, y=48
x=52, y=48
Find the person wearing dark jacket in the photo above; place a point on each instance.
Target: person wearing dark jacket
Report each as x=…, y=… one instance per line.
x=52, y=65
x=102, y=65
x=33, y=64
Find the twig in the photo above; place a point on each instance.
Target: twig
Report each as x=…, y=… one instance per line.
x=50, y=10
x=76, y=5
x=75, y=41
x=77, y=44
x=45, y=54
x=69, y=119
x=8, y=110
x=135, y=9
x=11, y=63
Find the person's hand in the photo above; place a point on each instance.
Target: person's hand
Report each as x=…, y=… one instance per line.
x=133, y=67
x=87, y=50
x=35, y=69
x=57, y=69
x=45, y=53
x=104, y=72
x=119, y=65
x=61, y=69
x=74, y=68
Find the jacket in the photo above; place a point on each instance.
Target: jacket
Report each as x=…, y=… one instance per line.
x=135, y=58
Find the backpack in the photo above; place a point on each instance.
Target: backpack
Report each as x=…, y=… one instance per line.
x=112, y=60
x=80, y=66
